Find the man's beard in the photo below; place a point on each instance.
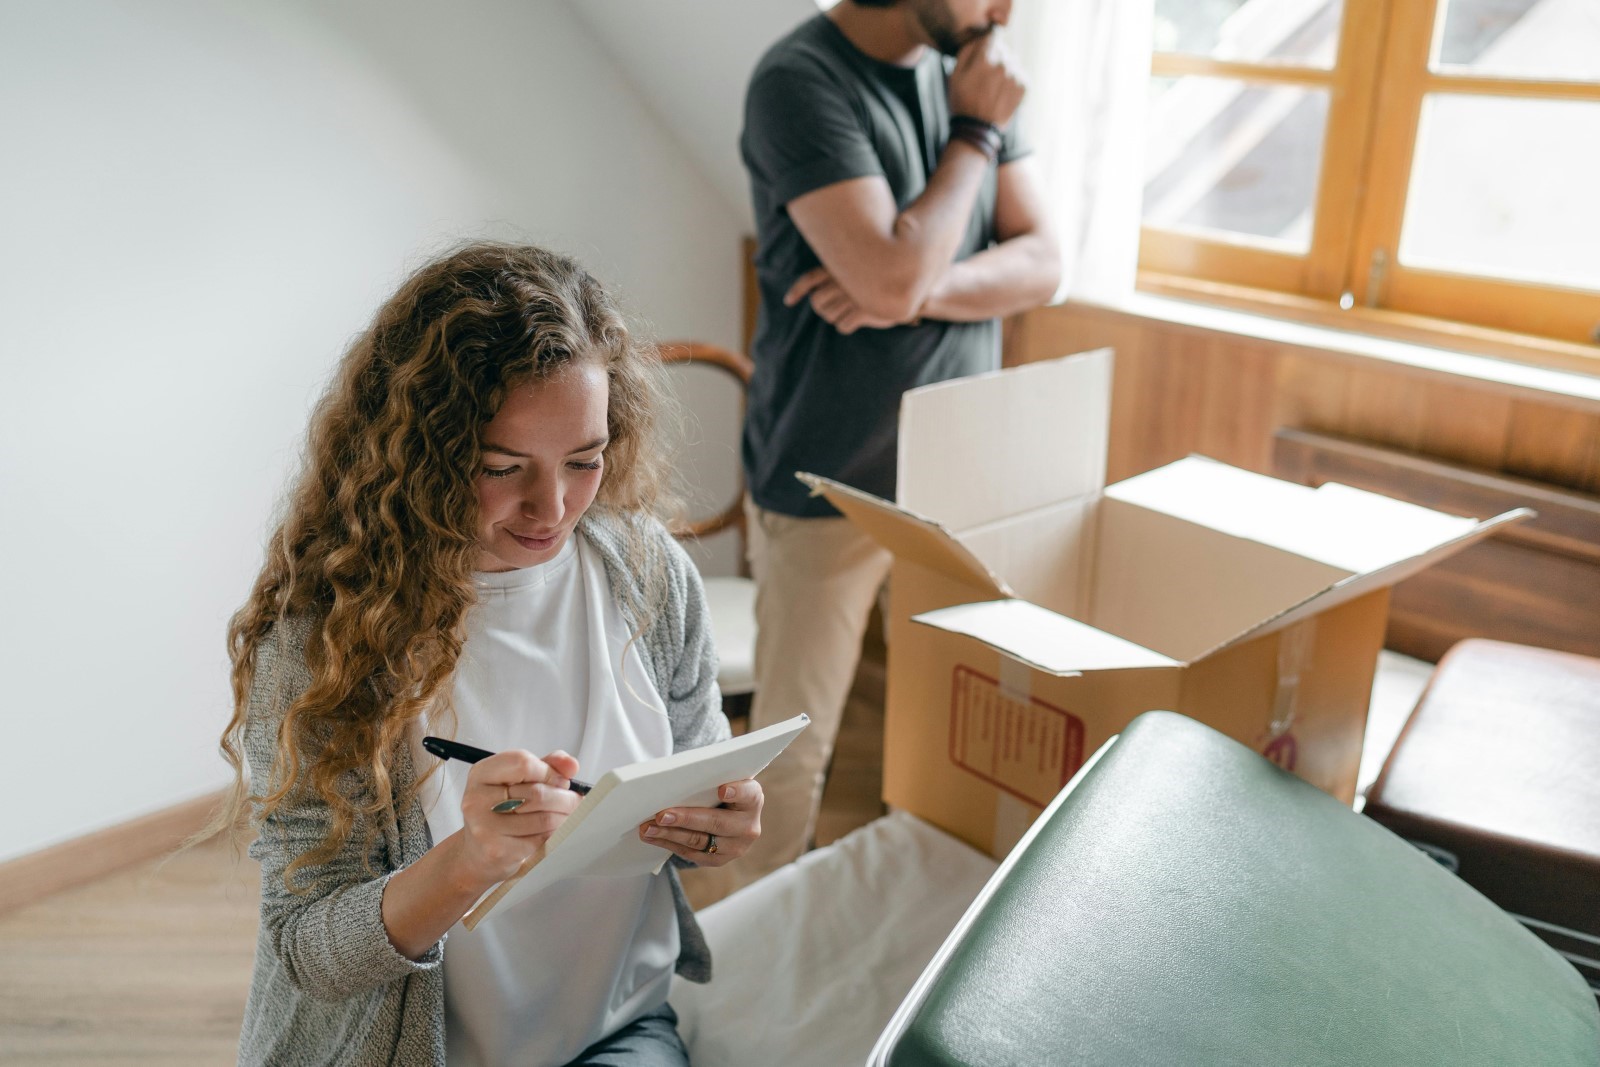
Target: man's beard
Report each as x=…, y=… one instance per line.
x=936, y=21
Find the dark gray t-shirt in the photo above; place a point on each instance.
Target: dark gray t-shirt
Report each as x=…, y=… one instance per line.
x=818, y=111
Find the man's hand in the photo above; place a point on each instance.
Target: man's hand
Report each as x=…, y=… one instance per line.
x=833, y=304
x=986, y=83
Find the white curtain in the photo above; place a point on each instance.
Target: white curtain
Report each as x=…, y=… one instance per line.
x=1088, y=68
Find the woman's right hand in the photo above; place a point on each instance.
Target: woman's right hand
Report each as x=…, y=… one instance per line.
x=495, y=844
x=423, y=900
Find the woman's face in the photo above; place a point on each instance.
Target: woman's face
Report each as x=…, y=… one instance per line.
x=542, y=458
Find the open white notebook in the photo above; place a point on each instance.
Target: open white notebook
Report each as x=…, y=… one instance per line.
x=601, y=837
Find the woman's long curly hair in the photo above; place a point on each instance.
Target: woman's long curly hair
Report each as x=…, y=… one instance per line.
x=379, y=539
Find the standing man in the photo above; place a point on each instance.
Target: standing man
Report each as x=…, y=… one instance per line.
x=896, y=222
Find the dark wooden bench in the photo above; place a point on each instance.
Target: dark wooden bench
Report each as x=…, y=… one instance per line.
x=1497, y=775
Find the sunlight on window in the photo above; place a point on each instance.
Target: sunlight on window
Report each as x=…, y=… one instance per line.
x=1505, y=187
x=1278, y=31
x=1227, y=157
x=1557, y=39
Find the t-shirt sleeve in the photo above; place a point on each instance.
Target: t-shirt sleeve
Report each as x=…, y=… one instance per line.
x=801, y=133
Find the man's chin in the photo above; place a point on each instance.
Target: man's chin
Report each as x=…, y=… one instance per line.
x=952, y=44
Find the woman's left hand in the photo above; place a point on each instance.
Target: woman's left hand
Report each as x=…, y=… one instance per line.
x=710, y=837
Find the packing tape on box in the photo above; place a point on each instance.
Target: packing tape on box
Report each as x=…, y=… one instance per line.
x=1294, y=661
x=1016, y=680
x=1012, y=818
x=1012, y=814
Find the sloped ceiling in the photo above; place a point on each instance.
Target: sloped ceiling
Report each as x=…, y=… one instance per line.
x=689, y=61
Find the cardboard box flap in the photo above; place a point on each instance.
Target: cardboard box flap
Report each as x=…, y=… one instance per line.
x=1047, y=556
x=979, y=449
x=1181, y=587
x=1042, y=639
x=908, y=535
x=1360, y=584
x=1356, y=531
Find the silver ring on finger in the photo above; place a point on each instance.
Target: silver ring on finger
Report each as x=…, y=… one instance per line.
x=711, y=844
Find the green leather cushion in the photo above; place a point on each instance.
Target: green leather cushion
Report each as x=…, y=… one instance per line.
x=1191, y=903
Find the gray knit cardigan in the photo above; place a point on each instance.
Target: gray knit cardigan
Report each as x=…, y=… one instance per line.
x=328, y=987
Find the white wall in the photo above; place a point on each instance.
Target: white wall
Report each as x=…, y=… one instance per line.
x=202, y=202
x=691, y=60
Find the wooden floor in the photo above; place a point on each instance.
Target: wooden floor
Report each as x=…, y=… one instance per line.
x=148, y=966
x=151, y=966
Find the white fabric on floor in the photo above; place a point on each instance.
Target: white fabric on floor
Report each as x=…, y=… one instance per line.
x=811, y=961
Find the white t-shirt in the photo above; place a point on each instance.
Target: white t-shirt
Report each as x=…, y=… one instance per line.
x=540, y=670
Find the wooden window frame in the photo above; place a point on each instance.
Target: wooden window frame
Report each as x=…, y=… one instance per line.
x=1381, y=76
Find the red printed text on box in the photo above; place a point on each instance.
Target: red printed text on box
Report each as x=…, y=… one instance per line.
x=1024, y=746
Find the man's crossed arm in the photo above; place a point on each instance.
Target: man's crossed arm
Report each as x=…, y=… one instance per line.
x=881, y=268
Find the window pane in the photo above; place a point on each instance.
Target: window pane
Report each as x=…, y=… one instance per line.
x=1505, y=187
x=1522, y=38
x=1304, y=32
x=1236, y=159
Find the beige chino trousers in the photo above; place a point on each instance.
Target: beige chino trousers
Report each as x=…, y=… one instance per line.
x=816, y=582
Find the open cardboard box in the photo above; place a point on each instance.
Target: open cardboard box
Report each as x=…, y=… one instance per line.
x=1034, y=611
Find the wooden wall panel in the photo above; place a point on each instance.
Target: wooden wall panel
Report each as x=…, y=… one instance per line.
x=1384, y=408
x=1502, y=591
x=1164, y=411
x=1557, y=446
x=1236, y=403
x=1171, y=378
x=1311, y=392
x=1467, y=426
x=1129, y=388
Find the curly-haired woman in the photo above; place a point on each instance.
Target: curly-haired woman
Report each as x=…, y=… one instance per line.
x=472, y=549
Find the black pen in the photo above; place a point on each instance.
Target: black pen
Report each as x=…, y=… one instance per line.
x=467, y=754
